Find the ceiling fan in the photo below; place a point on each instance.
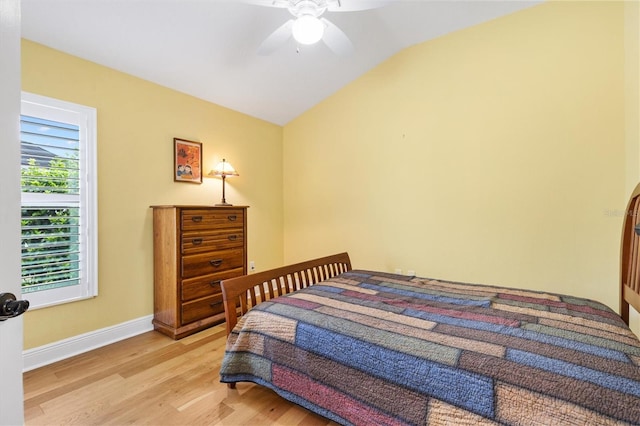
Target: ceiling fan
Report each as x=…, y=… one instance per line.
x=308, y=26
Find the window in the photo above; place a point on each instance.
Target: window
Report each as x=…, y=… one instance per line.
x=59, y=201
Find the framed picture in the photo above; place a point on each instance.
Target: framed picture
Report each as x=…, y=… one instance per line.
x=187, y=161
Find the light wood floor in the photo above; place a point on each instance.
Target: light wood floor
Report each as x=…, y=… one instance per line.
x=151, y=379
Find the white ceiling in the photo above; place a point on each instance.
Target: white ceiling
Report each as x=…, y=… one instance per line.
x=207, y=48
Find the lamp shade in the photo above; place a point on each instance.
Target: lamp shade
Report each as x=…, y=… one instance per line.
x=307, y=29
x=223, y=169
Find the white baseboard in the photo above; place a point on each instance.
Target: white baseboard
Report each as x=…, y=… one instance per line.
x=57, y=351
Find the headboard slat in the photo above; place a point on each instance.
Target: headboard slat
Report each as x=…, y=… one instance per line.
x=633, y=255
x=630, y=258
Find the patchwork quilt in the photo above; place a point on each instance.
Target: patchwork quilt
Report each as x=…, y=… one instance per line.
x=369, y=348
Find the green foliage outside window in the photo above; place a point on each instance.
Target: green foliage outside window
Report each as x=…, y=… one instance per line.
x=50, y=243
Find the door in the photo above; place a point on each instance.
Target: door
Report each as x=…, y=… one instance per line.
x=11, y=391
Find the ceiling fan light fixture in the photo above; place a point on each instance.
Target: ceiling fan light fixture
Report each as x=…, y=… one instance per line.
x=307, y=29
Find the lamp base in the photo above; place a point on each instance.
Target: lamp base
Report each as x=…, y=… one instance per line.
x=223, y=204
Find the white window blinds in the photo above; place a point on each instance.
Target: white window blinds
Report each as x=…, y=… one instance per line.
x=51, y=199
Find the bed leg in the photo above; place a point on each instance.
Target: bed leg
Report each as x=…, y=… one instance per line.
x=231, y=385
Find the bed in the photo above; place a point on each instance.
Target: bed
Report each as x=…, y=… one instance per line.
x=367, y=347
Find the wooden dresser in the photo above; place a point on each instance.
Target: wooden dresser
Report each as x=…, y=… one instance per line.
x=194, y=248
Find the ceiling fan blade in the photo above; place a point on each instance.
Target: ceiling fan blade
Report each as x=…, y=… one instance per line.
x=276, y=39
x=336, y=39
x=269, y=3
x=355, y=5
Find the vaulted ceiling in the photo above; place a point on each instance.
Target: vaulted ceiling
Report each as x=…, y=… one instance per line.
x=207, y=48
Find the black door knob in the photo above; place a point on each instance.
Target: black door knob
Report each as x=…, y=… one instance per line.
x=10, y=307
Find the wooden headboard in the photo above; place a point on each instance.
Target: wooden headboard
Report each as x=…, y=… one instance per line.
x=242, y=293
x=630, y=257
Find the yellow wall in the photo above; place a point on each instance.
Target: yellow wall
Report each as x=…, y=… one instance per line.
x=137, y=122
x=495, y=154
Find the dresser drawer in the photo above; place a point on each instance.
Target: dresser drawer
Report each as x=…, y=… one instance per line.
x=201, y=308
x=208, y=285
x=209, y=263
x=200, y=242
x=195, y=219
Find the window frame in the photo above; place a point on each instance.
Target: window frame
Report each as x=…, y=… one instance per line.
x=86, y=119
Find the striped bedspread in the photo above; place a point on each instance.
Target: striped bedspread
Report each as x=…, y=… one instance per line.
x=372, y=348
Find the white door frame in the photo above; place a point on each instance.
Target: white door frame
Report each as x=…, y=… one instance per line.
x=11, y=338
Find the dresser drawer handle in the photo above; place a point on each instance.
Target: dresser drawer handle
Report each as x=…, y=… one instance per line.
x=232, y=217
x=196, y=241
x=215, y=283
x=215, y=262
x=214, y=304
x=197, y=218
x=233, y=237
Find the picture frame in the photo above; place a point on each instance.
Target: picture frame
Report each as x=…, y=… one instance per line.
x=187, y=161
